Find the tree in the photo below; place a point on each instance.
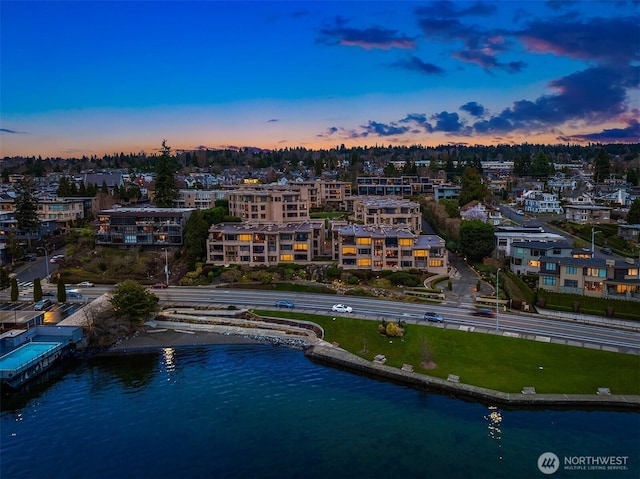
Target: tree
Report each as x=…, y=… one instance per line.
x=37, y=290
x=602, y=166
x=195, y=238
x=633, y=217
x=471, y=187
x=5, y=280
x=166, y=190
x=132, y=301
x=477, y=239
x=26, y=213
x=632, y=177
x=62, y=292
x=14, y=290
x=541, y=167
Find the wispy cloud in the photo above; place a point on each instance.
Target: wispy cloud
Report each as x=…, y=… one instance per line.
x=13, y=132
x=414, y=63
x=611, y=135
x=368, y=38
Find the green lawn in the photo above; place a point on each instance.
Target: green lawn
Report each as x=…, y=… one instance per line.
x=494, y=362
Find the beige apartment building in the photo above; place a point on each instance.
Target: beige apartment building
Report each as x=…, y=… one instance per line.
x=256, y=244
x=387, y=211
x=199, y=199
x=386, y=247
x=63, y=211
x=270, y=204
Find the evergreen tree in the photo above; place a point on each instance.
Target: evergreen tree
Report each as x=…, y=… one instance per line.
x=132, y=301
x=541, y=166
x=37, y=290
x=602, y=167
x=5, y=281
x=14, y=290
x=633, y=217
x=632, y=177
x=477, y=239
x=471, y=187
x=166, y=190
x=26, y=212
x=195, y=238
x=62, y=292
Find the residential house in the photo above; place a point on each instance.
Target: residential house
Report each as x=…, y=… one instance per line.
x=507, y=235
x=543, y=203
x=601, y=278
x=526, y=255
x=587, y=214
x=629, y=232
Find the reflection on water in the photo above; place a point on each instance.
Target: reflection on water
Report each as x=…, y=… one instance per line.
x=494, y=423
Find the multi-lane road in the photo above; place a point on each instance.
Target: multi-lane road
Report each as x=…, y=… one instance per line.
x=376, y=309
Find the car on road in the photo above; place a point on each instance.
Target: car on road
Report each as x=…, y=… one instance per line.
x=159, y=286
x=49, y=294
x=430, y=316
x=487, y=313
x=42, y=305
x=86, y=284
x=341, y=308
x=606, y=251
x=283, y=303
x=519, y=212
x=56, y=258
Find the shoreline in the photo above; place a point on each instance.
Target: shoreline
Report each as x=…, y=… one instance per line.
x=330, y=355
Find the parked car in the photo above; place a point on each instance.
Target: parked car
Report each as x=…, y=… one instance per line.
x=30, y=257
x=283, y=303
x=159, y=286
x=341, y=308
x=519, y=212
x=42, y=305
x=487, y=313
x=606, y=251
x=430, y=316
x=86, y=284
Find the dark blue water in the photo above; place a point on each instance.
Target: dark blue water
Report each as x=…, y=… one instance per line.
x=257, y=411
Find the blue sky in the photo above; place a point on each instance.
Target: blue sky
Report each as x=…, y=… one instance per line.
x=89, y=78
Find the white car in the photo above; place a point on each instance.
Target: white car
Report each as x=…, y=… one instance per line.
x=86, y=284
x=341, y=308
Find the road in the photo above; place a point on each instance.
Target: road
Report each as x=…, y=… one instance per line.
x=377, y=309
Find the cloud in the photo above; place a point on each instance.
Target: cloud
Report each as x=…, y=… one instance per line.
x=447, y=9
x=592, y=95
x=606, y=40
x=473, y=108
x=368, y=38
x=416, y=64
x=630, y=134
x=384, y=129
x=13, y=132
x=488, y=61
x=273, y=120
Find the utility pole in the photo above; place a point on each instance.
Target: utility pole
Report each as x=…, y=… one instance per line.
x=497, y=299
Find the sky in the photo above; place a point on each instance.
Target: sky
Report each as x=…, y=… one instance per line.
x=102, y=77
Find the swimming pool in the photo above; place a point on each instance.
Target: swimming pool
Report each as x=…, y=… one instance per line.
x=26, y=355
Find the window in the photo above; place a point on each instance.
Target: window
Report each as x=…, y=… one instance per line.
x=549, y=280
x=593, y=285
x=245, y=237
x=364, y=251
x=301, y=247
x=520, y=250
x=534, y=263
x=551, y=266
x=571, y=283
x=516, y=261
x=286, y=257
x=406, y=242
x=348, y=250
x=420, y=253
x=363, y=240
x=597, y=272
x=435, y=263
x=571, y=270
x=632, y=272
x=364, y=262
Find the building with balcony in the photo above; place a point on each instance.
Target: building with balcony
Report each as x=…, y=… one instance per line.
x=526, y=255
x=270, y=203
x=543, y=203
x=507, y=235
x=587, y=214
x=387, y=211
x=146, y=227
x=255, y=244
x=601, y=278
x=379, y=248
x=199, y=199
x=63, y=211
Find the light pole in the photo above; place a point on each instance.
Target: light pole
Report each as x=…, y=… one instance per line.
x=593, y=235
x=166, y=265
x=497, y=298
x=46, y=260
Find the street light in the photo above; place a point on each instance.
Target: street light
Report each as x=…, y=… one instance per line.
x=497, y=298
x=593, y=235
x=166, y=265
x=46, y=259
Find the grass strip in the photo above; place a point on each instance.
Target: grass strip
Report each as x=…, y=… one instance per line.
x=495, y=362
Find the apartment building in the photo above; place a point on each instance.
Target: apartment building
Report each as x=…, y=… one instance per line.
x=602, y=278
x=507, y=235
x=403, y=186
x=325, y=192
x=63, y=211
x=141, y=226
x=199, y=199
x=270, y=203
x=254, y=244
x=543, y=203
x=387, y=211
x=381, y=247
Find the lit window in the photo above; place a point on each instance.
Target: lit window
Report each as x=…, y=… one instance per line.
x=435, y=263
x=245, y=237
x=286, y=257
x=420, y=253
x=364, y=262
x=406, y=242
x=348, y=250
x=300, y=247
x=363, y=240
